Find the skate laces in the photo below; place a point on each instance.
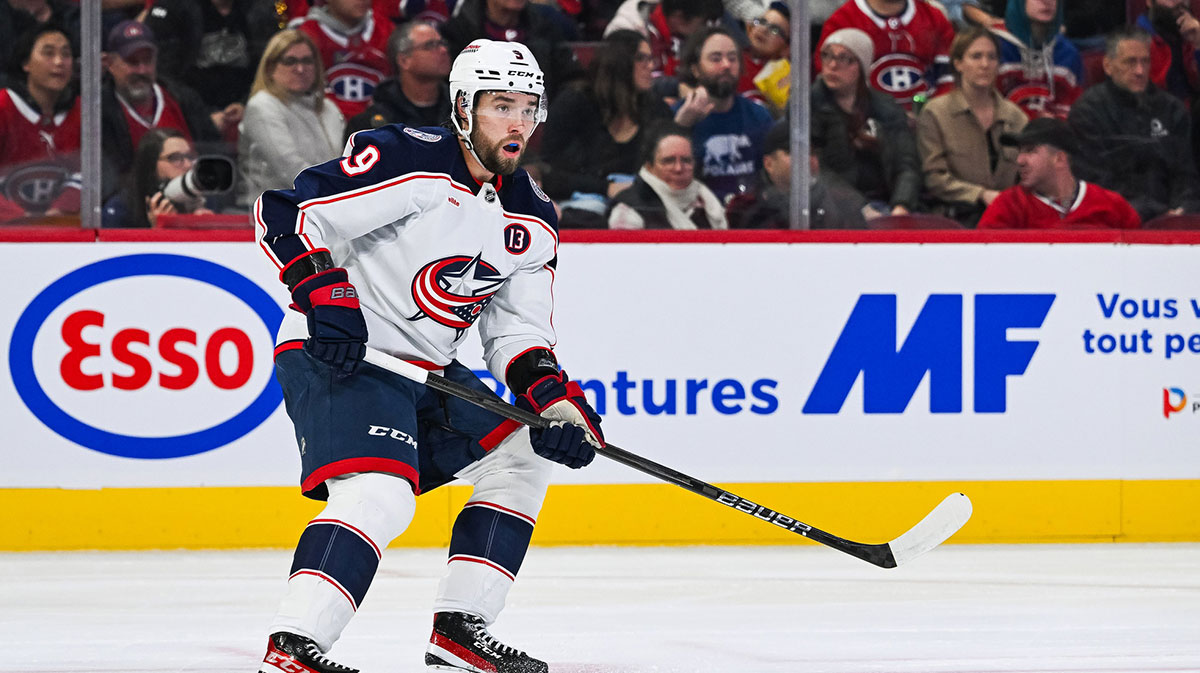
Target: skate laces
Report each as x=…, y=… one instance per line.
x=486, y=639
x=313, y=651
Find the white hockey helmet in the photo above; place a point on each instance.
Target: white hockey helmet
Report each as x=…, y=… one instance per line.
x=488, y=65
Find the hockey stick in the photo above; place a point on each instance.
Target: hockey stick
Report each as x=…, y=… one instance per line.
x=935, y=528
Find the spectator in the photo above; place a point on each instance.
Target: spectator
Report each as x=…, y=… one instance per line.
x=727, y=129
x=212, y=46
x=667, y=24
x=958, y=135
x=39, y=128
x=769, y=36
x=289, y=124
x=352, y=43
x=597, y=127
x=833, y=204
x=868, y=141
x=911, y=42
x=1049, y=196
x=666, y=193
x=132, y=101
x=1136, y=138
x=20, y=16
x=1040, y=70
x=1175, y=49
x=162, y=155
x=419, y=95
x=515, y=21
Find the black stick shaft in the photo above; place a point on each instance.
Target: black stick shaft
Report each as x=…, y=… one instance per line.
x=877, y=554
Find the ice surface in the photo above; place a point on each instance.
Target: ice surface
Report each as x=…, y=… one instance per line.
x=1105, y=608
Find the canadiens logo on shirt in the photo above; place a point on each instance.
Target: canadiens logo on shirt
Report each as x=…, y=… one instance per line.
x=34, y=187
x=454, y=291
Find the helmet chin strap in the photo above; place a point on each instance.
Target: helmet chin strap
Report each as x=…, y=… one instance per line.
x=464, y=136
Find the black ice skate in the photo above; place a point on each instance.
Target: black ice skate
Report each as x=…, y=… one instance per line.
x=290, y=653
x=461, y=642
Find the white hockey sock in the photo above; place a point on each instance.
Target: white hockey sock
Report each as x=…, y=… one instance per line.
x=339, y=552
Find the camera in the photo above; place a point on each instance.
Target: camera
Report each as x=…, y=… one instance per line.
x=209, y=175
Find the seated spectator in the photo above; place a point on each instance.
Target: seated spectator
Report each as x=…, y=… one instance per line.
x=419, y=94
x=958, y=135
x=727, y=129
x=20, y=16
x=39, y=128
x=593, y=135
x=769, y=36
x=289, y=123
x=352, y=43
x=833, y=204
x=1175, y=49
x=868, y=141
x=1049, y=196
x=1136, y=138
x=1040, y=70
x=667, y=24
x=911, y=40
x=162, y=155
x=133, y=101
x=666, y=193
x=213, y=46
x=515, y=21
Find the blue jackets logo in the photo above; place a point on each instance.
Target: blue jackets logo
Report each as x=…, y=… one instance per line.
x=891, y=371
x=115, y=356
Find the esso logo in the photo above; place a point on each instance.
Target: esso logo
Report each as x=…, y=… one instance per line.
x=148, y=356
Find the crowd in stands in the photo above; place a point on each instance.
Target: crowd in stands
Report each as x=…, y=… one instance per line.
x=669, y=114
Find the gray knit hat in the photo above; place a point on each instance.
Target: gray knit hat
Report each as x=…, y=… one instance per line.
x=858, y=42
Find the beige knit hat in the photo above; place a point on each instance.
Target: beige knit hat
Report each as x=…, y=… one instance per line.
x=858, y=42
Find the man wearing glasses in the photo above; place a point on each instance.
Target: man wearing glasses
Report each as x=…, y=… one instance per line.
x=418, y=95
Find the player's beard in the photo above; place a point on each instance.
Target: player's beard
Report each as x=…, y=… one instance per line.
x=491, y=157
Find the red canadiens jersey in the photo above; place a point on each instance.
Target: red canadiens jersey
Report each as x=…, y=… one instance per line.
x=354, y=64
x=39, y=159
x=912, y=50
x=1094, y=208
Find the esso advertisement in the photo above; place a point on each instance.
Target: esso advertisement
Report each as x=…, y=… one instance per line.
x=115, y=356
x=145, y=358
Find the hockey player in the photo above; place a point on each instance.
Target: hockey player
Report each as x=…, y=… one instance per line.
x=411, y=238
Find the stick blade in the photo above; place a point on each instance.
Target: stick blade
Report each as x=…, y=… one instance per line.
x=945, y=520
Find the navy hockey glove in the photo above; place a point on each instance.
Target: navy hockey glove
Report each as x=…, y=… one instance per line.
x=575, y=434
x=336, y=329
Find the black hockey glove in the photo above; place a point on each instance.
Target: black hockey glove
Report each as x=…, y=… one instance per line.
x=336, y=329
x=575, y=434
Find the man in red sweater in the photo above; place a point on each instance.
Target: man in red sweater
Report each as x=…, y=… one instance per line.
x=1049, y=196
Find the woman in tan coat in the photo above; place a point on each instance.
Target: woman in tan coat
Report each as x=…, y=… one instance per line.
x=958, y=134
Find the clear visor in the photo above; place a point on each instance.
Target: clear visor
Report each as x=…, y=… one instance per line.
x=524, y=109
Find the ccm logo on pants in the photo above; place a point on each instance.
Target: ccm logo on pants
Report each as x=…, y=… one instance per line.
x=381, y=431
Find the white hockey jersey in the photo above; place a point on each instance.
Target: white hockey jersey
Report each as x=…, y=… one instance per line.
x=430, y=250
